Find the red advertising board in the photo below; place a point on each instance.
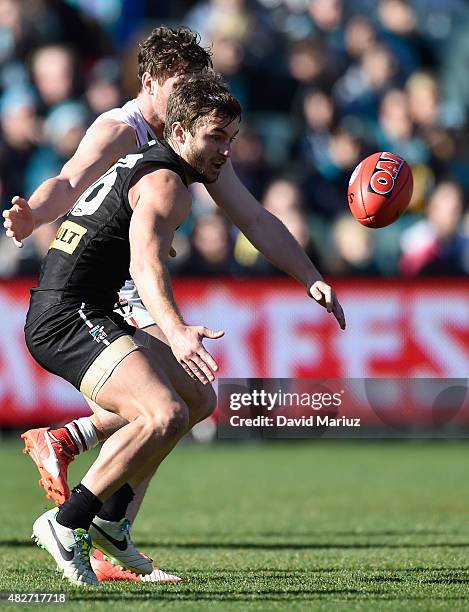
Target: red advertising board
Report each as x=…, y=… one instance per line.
x=272, y=329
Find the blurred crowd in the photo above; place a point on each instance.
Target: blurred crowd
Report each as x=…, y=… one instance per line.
x=323, y=83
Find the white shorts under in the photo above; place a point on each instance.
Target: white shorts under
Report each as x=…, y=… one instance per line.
x=131, y=308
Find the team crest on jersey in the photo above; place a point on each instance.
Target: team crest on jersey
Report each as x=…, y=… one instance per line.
x=68, y=237
x=385, y=174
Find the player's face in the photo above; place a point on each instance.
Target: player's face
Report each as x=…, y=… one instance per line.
x=210, y=147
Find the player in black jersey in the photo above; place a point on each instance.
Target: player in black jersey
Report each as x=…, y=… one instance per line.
x=167, y=57
x=72, y=308
x=127, y=220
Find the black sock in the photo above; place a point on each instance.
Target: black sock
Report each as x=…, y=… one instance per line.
x=115, y=507
x=80, y=509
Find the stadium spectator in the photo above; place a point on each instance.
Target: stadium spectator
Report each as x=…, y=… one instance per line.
x=248, y=157
x=327, y=17
x=212, y=251
x=284, y=200
x=438, y=245
x=54, y=22
x=227, y=16
x=328, y=174
x=426, y=111
x=103, y=90
x=398, y=30
x=11, y=30
x=395, y=130
x=228, y=56
x=63, y=130
x=20, y=136
x=359, y=90
x=424, y=98
x=319, y=115
x=310, y=64
x=319, y=111
x=354, y=249
x=54, y=74
x=64, y=127
x=360, y=35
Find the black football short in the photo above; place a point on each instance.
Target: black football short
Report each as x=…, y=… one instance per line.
x=66, y=337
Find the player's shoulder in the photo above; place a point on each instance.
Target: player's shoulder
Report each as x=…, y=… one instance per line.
x=160, y=189
x=109, y=135
x=161, y=178
x=110, y=126
x=116, y=122
x=126, y=114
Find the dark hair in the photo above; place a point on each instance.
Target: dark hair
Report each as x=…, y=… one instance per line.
x=167, y=51
x=200, y=97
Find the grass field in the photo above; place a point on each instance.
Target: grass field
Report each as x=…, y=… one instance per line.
x=287, y=526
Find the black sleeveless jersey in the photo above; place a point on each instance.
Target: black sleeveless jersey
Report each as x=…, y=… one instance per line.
x=89, y=257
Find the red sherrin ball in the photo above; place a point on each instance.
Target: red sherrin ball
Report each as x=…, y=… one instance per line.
x=380, y=189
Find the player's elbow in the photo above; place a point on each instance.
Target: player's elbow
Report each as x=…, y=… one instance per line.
x=68, y=187
x=136, y=269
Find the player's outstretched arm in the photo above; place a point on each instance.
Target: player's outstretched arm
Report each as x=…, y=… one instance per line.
x=270, y=236
x=103, y=144
x=161, y=203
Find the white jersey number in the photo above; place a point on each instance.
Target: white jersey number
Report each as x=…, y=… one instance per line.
x=89, y=202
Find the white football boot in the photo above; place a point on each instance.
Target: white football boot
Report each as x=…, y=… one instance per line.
x=69, y=547
x=113, y=539
x=158, y=575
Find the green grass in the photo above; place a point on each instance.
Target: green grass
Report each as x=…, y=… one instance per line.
x=323, y=525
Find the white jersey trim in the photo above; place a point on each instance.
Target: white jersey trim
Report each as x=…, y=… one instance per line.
x=131, y=114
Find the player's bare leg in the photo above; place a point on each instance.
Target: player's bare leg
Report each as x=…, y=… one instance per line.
x=156, y=415
x=157, y=418
x=83, y=434
x=140, y=492
x=104, y=569
x=105, y=423
x=201, y=401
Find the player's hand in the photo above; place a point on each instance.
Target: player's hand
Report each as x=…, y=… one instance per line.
x=187, y=347
x=19, y=222
x=325, y=295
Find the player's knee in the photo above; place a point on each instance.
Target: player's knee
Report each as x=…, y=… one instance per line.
x=170, y=420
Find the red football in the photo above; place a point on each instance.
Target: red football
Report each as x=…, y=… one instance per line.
x=380, y=189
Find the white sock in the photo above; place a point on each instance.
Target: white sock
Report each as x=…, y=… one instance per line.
x=83, y=433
